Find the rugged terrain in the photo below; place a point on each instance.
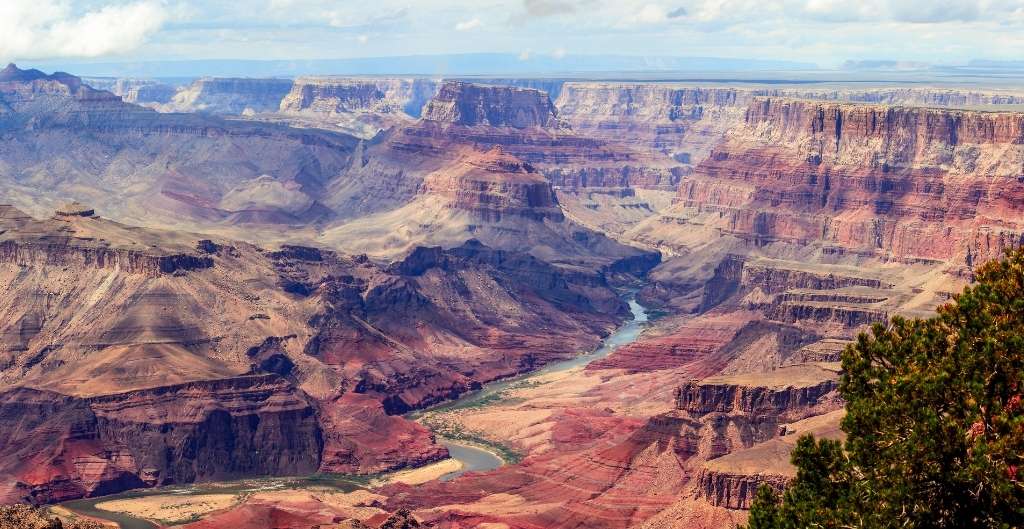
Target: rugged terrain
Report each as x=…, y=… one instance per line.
x=319, y=256
x=130, y=348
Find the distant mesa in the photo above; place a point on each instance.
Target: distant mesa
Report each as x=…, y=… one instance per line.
x=496, y=106
x=75, y=209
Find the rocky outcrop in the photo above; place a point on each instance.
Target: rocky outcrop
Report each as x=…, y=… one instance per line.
x=777, y=284
x=70, y=254
x=362, y=107
x=173, y=434
x=788, y=401
x=34, y=92
x=144, y=91
x=493, y=184
x=657, y=115
x=827, y=312
x=147, y=92
x=734, y=491
x=781, y=277
x=467, y=104
x=632, y=173
x=25, y=242
x=731, y=481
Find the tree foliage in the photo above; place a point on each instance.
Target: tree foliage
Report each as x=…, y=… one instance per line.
x=934, y=423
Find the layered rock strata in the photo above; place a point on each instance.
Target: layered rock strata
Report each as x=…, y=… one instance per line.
x=471, y=105
x=909, y=184
x=65, y=447
x=129, y=161
x=330, y=96
x=118, y=372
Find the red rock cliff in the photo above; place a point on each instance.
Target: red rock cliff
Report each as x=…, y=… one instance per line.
x=898, y=183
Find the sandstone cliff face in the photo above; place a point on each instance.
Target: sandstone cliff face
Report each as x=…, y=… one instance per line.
x=658, y=114
x=492, y=185
x=324, y=95
x=788, y=292
x=220, y=95
x=134, y=90
x=910, y=184
x=681, y=123
x=734, y=490
x=784, y=404
x=359, y=106
x=62, y=447
x=469, y=104
x=78, y=256
x=731, y=481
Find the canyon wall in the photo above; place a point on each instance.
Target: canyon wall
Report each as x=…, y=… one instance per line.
x=225, y=95
x=74, y=447
x=924, y=96
x=910, y=184
x=326, y=95
x=653, y=115
x=158, y=169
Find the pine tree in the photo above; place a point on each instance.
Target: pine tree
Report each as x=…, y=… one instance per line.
x=764, y=511
x=935, y=429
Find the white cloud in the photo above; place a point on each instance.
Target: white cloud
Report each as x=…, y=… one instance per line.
x=546, y=8
x=559, y=53
x=650, y=14
x=38, y=29
x=467, y=25
x=823, y=31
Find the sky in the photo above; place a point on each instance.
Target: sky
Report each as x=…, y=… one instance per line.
x=824, y=32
